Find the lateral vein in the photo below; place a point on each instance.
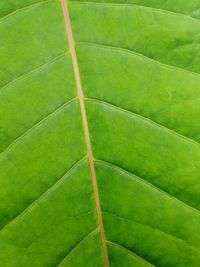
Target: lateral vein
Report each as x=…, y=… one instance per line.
x=17, y=139
x=43, y=195
x=77, y=246
x=29, y=73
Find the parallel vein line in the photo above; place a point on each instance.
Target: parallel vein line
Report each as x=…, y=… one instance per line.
x=141, y=117
x=22, y=9
x=15, y=141
x=143, y=180
x=50, y=189
x=85, y=127
x=126, y=50
x=196, y=248
x=124, y=249
x=23, y=76
x=182, y=15
x=77, y=246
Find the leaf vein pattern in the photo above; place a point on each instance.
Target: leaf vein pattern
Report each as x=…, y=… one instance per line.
x=140, y=223
x=11, y=14
x=38, y=124
x=77, y=246
x=126, y=50
x=148, y=120
x=127, y=251
x=154, y=9
x=143, y=180
x=49, y=190
x=37, y=69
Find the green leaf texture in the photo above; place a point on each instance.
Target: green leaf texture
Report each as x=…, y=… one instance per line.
x=100, y=133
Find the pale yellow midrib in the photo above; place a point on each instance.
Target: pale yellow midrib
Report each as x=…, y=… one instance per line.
x=85, y=127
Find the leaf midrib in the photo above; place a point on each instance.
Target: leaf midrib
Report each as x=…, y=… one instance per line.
x=80, y=95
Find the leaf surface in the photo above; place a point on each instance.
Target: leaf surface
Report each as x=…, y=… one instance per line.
x=99, y=133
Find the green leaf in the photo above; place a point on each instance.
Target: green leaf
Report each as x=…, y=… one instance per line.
x=99, y=133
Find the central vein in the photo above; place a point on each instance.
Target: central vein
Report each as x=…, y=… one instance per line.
x=85, y=127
